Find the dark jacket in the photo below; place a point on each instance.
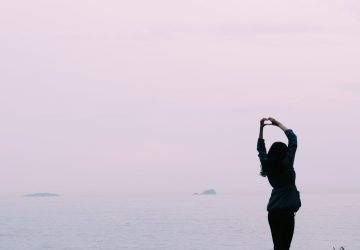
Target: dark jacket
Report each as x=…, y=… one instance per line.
x=284, y=194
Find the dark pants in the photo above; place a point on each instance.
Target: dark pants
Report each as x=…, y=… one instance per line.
x=282, y=228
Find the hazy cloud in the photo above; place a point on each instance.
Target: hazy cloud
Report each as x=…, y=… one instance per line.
x=166, y=96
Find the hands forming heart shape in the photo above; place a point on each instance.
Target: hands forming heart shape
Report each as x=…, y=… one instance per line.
x=269, y=121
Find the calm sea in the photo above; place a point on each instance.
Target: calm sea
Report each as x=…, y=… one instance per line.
x=220, y=222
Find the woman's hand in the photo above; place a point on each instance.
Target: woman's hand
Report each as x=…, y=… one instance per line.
x=274, y=121
x=262, y=125
x=262, y=122
x=277, y=124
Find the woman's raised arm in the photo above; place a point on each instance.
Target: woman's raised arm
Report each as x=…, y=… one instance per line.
x=292, y=138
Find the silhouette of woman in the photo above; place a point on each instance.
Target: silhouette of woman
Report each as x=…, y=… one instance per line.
x=278, y=166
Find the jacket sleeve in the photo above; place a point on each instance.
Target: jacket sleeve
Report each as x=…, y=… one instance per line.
x=292, y=145
x=261, y=150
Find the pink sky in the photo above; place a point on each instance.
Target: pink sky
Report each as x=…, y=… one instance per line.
x=165, y=96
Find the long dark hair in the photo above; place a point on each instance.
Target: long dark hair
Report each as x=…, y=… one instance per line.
x=272, y=166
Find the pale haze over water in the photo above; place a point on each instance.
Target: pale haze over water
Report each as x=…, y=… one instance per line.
x=179, y=222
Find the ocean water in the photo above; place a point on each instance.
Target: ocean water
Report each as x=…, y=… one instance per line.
x=188, y=222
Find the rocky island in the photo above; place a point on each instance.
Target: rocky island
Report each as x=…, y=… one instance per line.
x=41, y=195
x=207, y=192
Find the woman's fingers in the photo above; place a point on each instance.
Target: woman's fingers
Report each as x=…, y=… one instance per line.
x=273, y=121
x=262, y=122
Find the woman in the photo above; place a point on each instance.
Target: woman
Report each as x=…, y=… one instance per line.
x=278, y=166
